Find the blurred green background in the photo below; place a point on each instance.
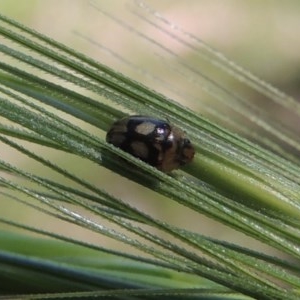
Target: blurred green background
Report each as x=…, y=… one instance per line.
x=261, y=36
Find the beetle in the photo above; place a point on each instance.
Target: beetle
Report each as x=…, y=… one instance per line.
x=152, y=140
